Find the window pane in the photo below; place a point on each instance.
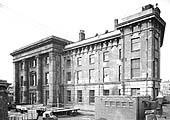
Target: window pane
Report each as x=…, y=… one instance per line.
x=79, y=77
x=105, y=92
x=34, y=63
x=22, y=82
x=47, y=78
x=135, y=72
x=91, y=76
x=106, y=56
x=106, y=74
x=156, y=68
x=47, y=60
x=68, y=76
x=156, y=44
x=33, y=79
x=135, y=91
x=135, y=44
x=46, y=96
x=120, y=75
x=91, y=96
x=22, y=66
x=135, y=63
x=69, y=95
x=79, y=61
x=135, y=67
x=68, y=63
x=91, y=59
x=120, y=54
x=79, y=95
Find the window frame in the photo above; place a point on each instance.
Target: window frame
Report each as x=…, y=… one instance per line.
x=91, y=96
x=68, y=64
x=156, y=68
x=33, y=63
x=135, y=68
x=104, y=74
x=21, y=81
x=21, y=66
x=33, y=96
x=47, y=78
x=137, y=91
x=133, y=42
x=46, y=96
x=106, y=56
x=79, y=96
x=33, y=79
x=106, y=92
x=68, y=95
x=120, y=54
x=47, y=60
x=68, y=76
x=79, y=61
x=120, y=73
x=91, y=76
x=91, y=59
x=79, y=76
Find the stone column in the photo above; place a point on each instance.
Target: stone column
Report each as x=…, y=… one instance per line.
x=53, y=79
x=39, y=80
x=16, y=82
x=25, y=80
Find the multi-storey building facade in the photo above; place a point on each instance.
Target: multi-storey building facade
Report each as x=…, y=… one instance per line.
x=125, y=61
x=165, y=88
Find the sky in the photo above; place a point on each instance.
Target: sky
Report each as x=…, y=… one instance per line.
x=26, y=21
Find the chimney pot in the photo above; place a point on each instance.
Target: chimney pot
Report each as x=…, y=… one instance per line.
x=81, y=35
x=115, y=23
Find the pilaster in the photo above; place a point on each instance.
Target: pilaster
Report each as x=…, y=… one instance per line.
x=25, y=81
x=54, y=79
x=39, y=79
x=16, y=82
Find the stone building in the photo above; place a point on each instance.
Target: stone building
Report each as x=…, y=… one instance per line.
x=4, y=99
x=125, y=61
x=10, y=95
x=165, y=88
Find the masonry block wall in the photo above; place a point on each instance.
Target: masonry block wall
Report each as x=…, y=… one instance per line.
x=93, y=68
x=125, y=61
x=141, y=37
x=120, y=107
x=38, y=72
x=4, y=99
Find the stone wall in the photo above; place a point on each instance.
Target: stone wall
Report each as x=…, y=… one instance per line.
x=119, y=108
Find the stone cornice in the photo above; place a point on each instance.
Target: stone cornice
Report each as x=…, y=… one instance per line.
x=141, y=16
x=42, y=42
x=113, y=34
x=150, y=13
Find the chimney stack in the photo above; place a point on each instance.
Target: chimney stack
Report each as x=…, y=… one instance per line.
x=81, y=35
x=115, y=23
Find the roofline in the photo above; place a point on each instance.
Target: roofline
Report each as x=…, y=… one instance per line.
x=150, y=15
x=92, y=40
x=46, y=40
x=141, y=18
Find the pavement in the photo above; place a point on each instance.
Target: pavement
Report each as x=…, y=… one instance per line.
x=82, y=115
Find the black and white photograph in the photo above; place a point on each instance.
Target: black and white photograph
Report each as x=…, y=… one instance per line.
x=84, y=60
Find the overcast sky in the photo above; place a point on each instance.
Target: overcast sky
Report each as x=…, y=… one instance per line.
x=25, y=21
